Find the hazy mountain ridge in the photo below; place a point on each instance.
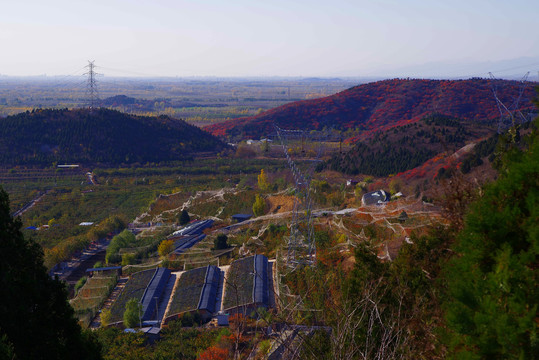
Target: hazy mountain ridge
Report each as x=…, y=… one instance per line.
x=382, y=105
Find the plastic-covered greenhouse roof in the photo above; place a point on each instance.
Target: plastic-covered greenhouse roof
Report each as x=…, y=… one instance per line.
x=260, y=283
x=208, y=294
x=194, y=228
x=154, y=291
x=186, y=242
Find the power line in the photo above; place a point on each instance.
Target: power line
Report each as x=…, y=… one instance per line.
x=509, y=112
x=301, y=246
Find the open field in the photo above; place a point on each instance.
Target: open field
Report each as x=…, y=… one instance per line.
x=201, y=101
x=68, y=198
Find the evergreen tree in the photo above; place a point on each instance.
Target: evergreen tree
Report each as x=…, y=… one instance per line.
x=184, y=217
x=220, y=242
x=492, y=283
x=36, y=321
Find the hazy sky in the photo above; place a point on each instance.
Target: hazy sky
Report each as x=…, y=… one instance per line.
x=261, y=38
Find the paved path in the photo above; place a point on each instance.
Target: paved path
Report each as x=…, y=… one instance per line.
x=166, y=298
x=29, y=205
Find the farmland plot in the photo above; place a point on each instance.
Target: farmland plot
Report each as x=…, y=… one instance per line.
x=133, y=289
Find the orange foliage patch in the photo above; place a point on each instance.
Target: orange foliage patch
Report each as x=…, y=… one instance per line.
x=214, y=353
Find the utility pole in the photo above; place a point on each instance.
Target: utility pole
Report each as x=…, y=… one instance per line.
x=301, y=243
x=156, y=309
x=91, y=85
x=509, y=112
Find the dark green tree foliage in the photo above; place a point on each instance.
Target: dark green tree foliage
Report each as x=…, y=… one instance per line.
x=482, y=149
x=122, y=240
x=220, y=242
x=403, y=148
x=191, y=319
x=176, y=343
x=36, y=321
x=103, y=136
x=492, y=284
x=184, y=217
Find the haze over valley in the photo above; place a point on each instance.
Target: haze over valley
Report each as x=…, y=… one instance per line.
x=277, y=180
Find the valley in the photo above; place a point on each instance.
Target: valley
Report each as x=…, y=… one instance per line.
x=233, y=240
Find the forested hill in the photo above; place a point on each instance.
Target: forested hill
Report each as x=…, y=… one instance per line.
x=408, y=146
x=381, y=105
x=102, y=136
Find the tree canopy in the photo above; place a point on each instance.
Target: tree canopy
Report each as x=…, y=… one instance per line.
x=492, y=310
x=132, y=313
x=104, y=136
x=263, y=183
x=220, y=242
x=259, y=206
x=36, y=321
x=184, y=217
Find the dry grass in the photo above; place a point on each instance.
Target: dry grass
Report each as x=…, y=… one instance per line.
x=280, y=203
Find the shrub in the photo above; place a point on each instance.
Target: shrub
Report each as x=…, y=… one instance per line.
x=263, y=183
x=184, y=217
x=258, y=206
x=220, y=242
x=132, y=313
x=128, y=259
x=165, y=247
x=80, y=284
x=106, y=316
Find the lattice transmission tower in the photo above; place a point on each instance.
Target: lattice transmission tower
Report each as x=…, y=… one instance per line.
x=307, y=148
x=509, y=114
x=91, y=85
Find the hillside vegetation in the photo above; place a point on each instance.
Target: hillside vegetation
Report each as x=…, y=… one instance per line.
x=382, y=105
x=102, y=136
x=406, y=147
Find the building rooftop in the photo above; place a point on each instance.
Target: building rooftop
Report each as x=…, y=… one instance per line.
x=375, y=198
x=241, y=217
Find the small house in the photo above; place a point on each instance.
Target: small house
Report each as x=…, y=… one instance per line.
x=222, y=319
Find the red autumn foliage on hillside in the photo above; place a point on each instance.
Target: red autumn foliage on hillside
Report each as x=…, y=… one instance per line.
x=214, y=353
x=382, y=105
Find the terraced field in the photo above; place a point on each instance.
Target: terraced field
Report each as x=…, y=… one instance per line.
x=91, y=296
x=188, y=290
x=239, y=284
x=133, y=289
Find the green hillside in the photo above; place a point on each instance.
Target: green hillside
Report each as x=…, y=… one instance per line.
x=102, y=136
